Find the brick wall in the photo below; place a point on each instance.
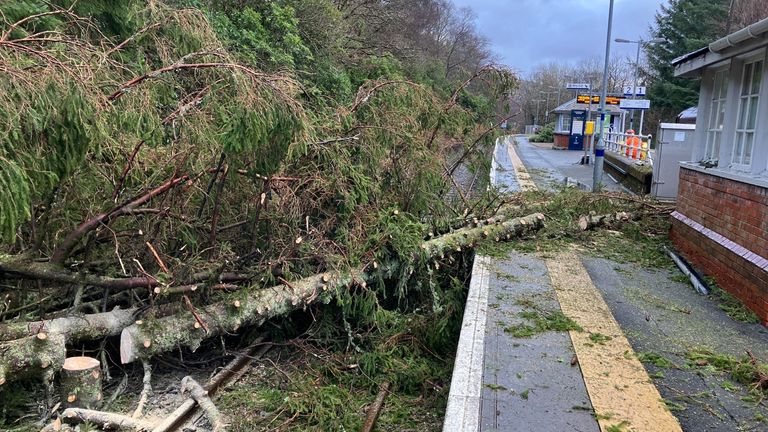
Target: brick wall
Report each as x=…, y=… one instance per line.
x=738, y=211
x=723, y=231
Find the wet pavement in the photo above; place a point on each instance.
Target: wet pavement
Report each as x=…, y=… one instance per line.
x=548, y=166
x=536, y=383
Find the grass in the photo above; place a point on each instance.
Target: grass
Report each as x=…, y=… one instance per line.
x=599, y=338
x=655, y=359
x=742, y=370
x=542, y=321
x=495, y=387
x=732, y=306
x=618, y=427
x=675, y=406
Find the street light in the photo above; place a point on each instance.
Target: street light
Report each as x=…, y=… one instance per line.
x=639, y=43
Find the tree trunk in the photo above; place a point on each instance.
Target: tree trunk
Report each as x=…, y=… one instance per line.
x=73, y=328
x=81, y=382
x=588, y=222
x=31, y=356
x=141, y=341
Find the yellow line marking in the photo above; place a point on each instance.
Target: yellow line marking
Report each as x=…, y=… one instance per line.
x=523, y=178
x=618, y=385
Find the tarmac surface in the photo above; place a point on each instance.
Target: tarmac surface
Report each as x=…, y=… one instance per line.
x=538, y=383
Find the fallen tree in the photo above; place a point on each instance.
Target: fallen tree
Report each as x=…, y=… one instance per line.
x=141, y=339
x=592, y=221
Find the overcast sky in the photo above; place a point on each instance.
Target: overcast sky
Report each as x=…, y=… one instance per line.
x=525, y=33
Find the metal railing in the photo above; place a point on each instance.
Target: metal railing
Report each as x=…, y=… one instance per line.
x=631, y=146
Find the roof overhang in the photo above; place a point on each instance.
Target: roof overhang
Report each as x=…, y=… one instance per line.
x=749, y=38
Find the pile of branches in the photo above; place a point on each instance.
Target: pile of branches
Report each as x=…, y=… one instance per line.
x=159, y=190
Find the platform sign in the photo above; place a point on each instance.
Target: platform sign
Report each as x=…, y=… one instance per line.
x=635, y=104
x=577, y=86
x=639, y=91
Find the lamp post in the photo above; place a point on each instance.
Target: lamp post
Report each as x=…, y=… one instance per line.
x=639, y=43
x=597, y=177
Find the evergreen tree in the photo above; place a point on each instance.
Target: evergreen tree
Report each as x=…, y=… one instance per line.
x=685, y=25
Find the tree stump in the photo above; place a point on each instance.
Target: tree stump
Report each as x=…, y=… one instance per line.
x=81, y=382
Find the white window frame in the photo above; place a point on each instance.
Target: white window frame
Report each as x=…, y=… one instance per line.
x=716, y=121
x=565, y=125
x=746, y=101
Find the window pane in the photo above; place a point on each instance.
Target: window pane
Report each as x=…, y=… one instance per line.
x=720, y=115
x=743, y=102
x=737, y=148
x=757, y=76
x=716, y=147
x=723, y=88
x=748, y=148
x=745, y=79
x=752, y=113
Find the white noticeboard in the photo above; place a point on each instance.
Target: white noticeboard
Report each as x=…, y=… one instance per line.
x=642, y=104
x=679, y=136
x=577, y=127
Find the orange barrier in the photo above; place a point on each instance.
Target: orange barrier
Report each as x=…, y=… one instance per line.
x=633, y=145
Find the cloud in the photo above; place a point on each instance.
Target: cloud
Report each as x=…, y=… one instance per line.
x=526, y=33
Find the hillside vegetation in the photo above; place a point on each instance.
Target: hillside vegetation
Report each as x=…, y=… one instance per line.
x=161, y=158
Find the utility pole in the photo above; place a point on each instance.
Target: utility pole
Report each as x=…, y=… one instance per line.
x=536, y=122
x=546, y=106
x=597, y=177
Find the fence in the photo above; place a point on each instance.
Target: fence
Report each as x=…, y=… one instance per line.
x=631, y=146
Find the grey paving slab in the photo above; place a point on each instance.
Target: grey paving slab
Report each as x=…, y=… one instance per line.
x=528, y=383
x=664, y=317
x=547, y=166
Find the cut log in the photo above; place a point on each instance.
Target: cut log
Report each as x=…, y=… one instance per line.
x=81, y=382
x=141, y=341
x=31, y=356
x=588, y=222
x=194, y=390
x=74, y=328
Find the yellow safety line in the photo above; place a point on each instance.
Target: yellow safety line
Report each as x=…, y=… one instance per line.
x=619, y=387
x=523, y=178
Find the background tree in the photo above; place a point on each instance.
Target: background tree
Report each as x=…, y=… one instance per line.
x=685, y=26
